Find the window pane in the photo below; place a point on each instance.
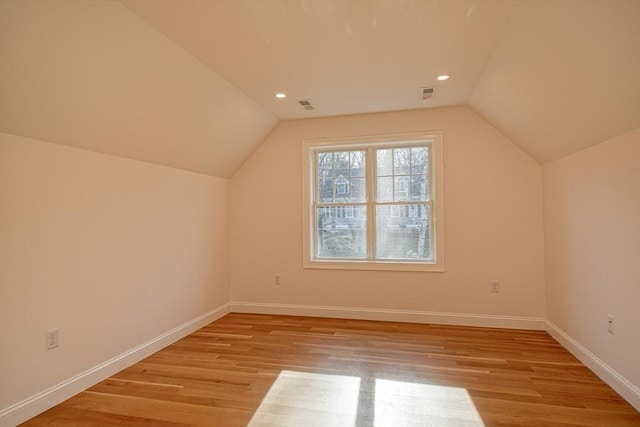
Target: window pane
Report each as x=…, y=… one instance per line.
x=384, y=189
x=357, y=163
x=325, y=190
x=384, y=162
x=418, y=187
x=325, y=165
x=401, y=161
x=401, y=188
x=402, y=232
x=342, y=189
x=357, y=190
x=341, y=165
x=419, y=160
x=341, y=232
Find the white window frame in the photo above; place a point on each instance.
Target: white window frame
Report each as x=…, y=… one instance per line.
x=431, y=138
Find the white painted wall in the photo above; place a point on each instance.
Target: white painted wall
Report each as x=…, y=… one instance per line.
x=493, y=223
x=592, y=250
x=113, y=252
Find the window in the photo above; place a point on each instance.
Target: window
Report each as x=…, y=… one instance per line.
x=374, y=203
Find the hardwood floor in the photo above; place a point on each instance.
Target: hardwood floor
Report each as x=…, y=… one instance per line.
x=263, y=370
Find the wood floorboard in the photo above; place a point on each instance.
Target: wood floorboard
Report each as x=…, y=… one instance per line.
x=268, y=370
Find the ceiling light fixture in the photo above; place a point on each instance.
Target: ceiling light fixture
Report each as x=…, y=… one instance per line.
x=281, y=95
x=443, y=77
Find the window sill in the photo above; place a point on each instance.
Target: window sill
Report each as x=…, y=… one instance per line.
x=375, y=265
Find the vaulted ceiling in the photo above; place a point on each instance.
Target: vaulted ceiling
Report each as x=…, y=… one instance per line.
x=191, y=83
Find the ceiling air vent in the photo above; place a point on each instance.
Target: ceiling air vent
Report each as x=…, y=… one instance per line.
x=428, y=92
x=304, y=103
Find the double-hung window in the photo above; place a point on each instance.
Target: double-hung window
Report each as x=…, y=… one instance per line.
x=374, y=203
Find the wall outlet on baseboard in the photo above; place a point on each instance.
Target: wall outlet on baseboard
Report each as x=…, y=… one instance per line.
x=52, y=339
x=610, y=324
x=495, y=286
x=276, y=279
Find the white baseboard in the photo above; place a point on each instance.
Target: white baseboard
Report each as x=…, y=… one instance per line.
x=34, y=405
x=457, y=319
x=620, y=384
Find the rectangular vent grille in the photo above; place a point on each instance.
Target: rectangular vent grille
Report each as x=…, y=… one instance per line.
x=428, y=92
x=304, y=103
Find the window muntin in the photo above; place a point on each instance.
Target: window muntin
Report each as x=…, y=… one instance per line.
x=370, y=203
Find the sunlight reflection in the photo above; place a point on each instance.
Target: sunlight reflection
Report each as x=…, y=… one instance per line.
x=409, y=404
x=310, y=399
x=305, y=399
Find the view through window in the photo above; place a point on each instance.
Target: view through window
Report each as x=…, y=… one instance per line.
x=373, y=202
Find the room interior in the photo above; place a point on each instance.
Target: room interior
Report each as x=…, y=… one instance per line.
x=151, y=182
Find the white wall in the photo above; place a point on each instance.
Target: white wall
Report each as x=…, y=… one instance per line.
x=493, y=223
x=592, y=250
x=113, y=252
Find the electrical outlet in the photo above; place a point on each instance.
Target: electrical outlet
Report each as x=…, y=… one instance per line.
x=495, y=286
x=52, y=339
x=276, y=279
x=610, y=324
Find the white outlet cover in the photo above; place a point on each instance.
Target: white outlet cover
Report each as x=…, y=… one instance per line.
x=52, y=339
x=495, y=286
x=611, y=324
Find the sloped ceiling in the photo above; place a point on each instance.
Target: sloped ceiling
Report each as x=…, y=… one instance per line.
x=93, y=75
x=564, y=75
x=190, y=83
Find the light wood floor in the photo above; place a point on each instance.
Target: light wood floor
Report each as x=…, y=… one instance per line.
x=263, y=370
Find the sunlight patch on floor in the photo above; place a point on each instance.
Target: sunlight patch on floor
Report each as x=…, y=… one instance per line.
x=306, y=399
x=400, y=403
x=317, y=400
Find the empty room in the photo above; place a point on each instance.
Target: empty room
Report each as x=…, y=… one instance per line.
x=319, y=213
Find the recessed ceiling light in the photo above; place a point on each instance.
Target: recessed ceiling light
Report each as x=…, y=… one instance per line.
x=281, y=95
x=443, y=77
